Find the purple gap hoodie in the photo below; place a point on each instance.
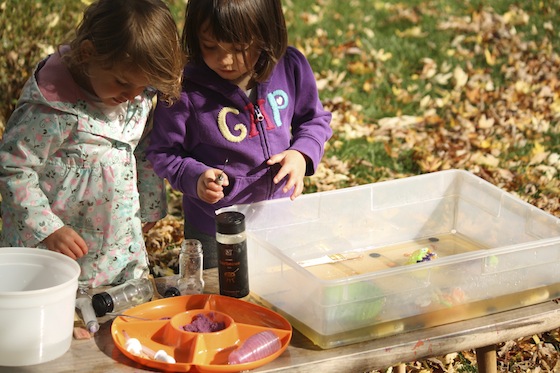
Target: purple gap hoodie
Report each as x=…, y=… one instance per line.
x=214, y=120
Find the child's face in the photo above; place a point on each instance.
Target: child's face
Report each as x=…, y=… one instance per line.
x=226, y=60
x=116, y=85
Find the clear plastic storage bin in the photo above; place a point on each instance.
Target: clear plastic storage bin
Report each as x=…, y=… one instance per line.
x=489, y=252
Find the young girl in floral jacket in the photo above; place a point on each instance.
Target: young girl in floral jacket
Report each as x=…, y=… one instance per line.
x=72, y=175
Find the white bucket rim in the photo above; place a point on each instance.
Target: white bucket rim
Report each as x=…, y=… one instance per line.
x=69, y=262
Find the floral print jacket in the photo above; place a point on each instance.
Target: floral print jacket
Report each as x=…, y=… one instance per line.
x=66, y=159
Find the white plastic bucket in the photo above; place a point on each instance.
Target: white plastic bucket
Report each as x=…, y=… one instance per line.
x=37, y=301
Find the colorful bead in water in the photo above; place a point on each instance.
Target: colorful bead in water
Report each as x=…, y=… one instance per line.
x=256, y=347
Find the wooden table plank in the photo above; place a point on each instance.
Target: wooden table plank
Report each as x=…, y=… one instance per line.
x=302, y=356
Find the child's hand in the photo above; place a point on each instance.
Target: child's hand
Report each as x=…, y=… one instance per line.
x=209, y=188
x=66, y=241
x=293, y=165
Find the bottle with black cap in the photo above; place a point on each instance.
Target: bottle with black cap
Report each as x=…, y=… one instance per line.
x=171, y=291
x=231, y=241
x=118, y=298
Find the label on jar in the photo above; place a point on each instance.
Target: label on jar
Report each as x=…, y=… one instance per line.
x=233, y=269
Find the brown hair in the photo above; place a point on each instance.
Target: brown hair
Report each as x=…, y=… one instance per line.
x=241, y=23
x=141, y=33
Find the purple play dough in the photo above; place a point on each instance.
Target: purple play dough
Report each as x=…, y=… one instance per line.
x=202, y=324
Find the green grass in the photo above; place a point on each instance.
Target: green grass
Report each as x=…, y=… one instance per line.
x=30, y=26
x=29, y=30
x=372, y=54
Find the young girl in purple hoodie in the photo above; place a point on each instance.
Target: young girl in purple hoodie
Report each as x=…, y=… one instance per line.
x=249, y=124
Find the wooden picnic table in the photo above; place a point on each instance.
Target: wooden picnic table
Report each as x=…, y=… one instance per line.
x=482, y=334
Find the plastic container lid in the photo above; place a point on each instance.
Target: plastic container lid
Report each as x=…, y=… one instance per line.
x=230, y=222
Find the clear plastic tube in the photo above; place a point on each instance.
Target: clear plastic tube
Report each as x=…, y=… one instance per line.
x=256, y=347
x=83, y=303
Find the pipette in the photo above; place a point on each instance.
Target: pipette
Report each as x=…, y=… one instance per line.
x=83, y=303
x=134, y=346
x=220, y=178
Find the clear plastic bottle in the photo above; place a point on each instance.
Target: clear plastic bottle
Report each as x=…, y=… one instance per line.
x=231, y=241
x=121, y=297
x=190, y=268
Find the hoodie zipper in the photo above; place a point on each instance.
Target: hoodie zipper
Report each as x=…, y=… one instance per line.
x=259, y=118
x=258, y=115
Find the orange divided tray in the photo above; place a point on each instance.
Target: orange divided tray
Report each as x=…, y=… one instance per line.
x=204, y=352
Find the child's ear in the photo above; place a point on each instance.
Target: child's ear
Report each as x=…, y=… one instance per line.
x=87, y=50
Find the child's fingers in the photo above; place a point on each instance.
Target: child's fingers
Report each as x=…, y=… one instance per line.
x=298, y=189
x=77, y=244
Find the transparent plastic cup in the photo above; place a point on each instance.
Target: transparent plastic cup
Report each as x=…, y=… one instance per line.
x=256, y=347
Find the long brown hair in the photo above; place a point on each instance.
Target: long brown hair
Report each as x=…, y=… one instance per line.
x=241, y=23
x=139, y=33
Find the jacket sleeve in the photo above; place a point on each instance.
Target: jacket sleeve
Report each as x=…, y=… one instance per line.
x=168, y=151
x=151, y=188
x=31, y=136
x=311, y=122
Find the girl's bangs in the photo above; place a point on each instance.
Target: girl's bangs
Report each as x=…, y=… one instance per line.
x=231, y=25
